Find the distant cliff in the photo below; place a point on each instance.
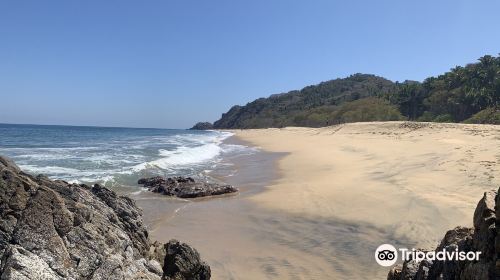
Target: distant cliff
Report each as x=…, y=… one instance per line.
x=202, y=126
x=55, y=230
x=468, y=94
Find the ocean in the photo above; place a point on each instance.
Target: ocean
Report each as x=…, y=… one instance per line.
x=113, y=156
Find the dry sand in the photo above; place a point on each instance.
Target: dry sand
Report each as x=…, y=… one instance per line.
x=415, y=180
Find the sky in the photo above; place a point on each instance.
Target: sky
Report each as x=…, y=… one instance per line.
x=169, y=64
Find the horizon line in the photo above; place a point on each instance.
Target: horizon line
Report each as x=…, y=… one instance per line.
x=93, y=126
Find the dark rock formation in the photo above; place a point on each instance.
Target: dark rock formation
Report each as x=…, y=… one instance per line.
x=184, y=187
x=55, y=230
x=202, y=126
x=484, y=238
x=183, y=262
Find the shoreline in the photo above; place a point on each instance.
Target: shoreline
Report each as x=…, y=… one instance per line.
x=253, y=172
x=215, y=225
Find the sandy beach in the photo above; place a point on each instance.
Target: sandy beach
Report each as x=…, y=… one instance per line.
x=335, y=194
x=414, y=179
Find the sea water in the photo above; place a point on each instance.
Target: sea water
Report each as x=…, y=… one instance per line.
x=114, y=156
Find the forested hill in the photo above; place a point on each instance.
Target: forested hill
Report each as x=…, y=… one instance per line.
x=310, y=106
x=464, y=94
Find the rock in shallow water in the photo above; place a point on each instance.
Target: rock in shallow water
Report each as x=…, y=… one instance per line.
x=184, y=187
x=55, y=230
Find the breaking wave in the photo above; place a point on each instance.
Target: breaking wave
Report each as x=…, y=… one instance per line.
x=115, y=155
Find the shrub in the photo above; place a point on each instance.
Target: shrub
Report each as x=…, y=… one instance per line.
x=426, y=117
x=489, y=116
x=367, y=109
x=444, y=118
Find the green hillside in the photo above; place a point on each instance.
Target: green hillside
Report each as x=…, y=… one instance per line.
x=464, y=94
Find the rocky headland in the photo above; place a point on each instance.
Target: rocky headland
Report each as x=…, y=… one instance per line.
x=484, y=237
x=50, y=229
x=184, y=187
x=202, y=126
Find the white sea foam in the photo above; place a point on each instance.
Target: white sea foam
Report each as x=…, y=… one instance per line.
x=52, y=149
x=73, y=175
x=113, y=159
x=138, y=192
x=240, y=149
x=48, y=169
x=208, y=148
x=182, y=156
x=44, y=156
x=104, y=179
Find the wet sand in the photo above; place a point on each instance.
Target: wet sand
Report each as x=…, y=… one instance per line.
x=315, y=203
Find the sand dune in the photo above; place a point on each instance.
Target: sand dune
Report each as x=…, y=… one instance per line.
x=416, y=180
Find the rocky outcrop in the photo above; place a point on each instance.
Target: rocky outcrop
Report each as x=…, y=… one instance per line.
x=55, y=230
x=180, y=261
x=183, y=262
x=202, y=126
x=184, y=187
x=484, y=237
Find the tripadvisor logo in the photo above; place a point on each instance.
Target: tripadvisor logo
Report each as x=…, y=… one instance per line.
x=387, y=255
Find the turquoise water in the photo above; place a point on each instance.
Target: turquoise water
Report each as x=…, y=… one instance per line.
x=114, y=156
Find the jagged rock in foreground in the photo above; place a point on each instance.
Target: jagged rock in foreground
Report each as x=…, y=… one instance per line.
x=184, y=187
x=55, y=230
x=484, y=237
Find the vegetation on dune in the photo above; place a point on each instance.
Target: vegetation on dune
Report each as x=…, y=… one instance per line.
x=464, y=94
x=367, y=109
x=490, y=115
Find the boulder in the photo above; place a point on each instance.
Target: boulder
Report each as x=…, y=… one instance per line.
x=184, y=187
x=183, y=262
x=50, y=229
x=483, y=237
x=395, y=272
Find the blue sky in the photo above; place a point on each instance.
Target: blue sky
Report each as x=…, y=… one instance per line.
x=172, y=63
